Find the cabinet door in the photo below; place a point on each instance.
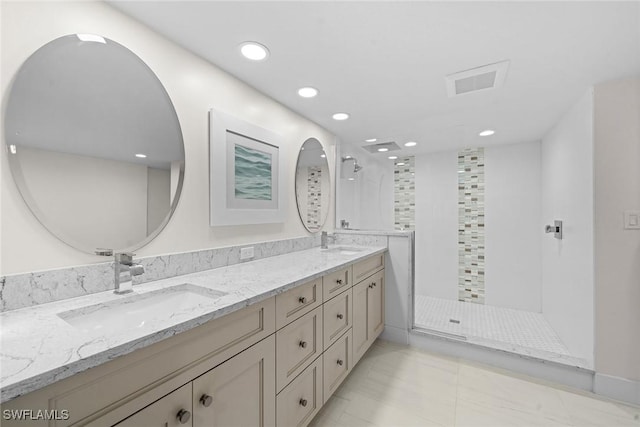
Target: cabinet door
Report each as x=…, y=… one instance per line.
x=375, y=306
x=360, y=320
x=173, y=410
x=239, y=392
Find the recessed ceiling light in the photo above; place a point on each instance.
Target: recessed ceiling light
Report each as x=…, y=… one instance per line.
x=351, y=179
x=393, y=157
x=347, y=157
x=141, y=156
x=383, y=149
x=371, y=140
x=12, y=149
x=487, y=132
x=254, y=51
x=323, y=155
x=91, y=38
x=400, y=164
x=307, y=92
x=340, y=116
x=410, y=144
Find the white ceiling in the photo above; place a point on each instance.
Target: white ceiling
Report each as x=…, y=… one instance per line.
x=385, y=62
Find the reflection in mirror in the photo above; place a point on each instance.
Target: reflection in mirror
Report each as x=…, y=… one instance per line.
x=94, y=143
x=313, y=185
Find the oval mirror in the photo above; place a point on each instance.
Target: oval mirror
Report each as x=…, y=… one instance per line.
x=313, y=185
x=94, y=144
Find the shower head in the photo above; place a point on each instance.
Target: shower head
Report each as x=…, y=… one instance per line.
x=356, y=166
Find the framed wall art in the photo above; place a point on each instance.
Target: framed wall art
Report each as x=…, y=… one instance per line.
x=246, y=172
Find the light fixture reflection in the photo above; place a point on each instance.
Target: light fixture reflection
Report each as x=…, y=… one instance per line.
x=91, y=38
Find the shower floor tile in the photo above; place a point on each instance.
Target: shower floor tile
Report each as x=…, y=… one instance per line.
x=506, y=329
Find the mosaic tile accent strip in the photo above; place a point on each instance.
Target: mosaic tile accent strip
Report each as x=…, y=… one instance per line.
x=28, y=289
x=314, y=196
x=404, y=201
x=471, y=225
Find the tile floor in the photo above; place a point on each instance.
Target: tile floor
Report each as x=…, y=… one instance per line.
x=507, y=329
x=394, y=386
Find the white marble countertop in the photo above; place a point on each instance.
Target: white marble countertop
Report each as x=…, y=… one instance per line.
x=38, y=347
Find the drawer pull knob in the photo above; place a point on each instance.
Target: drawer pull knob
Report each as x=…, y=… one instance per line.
x=339, y=281
x=339, y=316
x=303, y=402
x=206, y=400
x=303, y=344
x=339, y=362
x=371, y=286
x=302, y=300
x=183, y=416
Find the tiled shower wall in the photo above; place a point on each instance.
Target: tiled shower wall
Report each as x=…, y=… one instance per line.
x=471, y=225
x=404, y=193
x=314, y=196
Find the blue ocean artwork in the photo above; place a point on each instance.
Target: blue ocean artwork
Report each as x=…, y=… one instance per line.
x=252, y=174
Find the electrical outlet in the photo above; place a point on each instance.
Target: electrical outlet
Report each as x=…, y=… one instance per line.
x=632, y=220
x=246, y=253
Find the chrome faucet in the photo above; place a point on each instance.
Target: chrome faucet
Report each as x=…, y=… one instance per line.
x=125, y=269
x=324, y=239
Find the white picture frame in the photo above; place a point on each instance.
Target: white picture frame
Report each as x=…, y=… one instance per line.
x=246, y=173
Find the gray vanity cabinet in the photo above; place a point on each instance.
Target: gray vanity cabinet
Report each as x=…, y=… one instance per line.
x=275, y=362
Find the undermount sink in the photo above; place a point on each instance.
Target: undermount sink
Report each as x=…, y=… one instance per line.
x=137, y=310
x=344, y=250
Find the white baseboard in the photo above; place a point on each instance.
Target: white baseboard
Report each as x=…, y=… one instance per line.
x=617, y=388
x=551, y=371
x=396, y=335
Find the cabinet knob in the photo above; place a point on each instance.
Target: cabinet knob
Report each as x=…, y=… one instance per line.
x=371, y=286
x=303, y=344
x=183, y=416
x=339, y=281
x=339, y=316
x=339, y=362
x=302, y=300
x=206, y=400
x=303, y=402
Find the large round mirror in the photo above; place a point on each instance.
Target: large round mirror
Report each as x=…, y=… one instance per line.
x=94, y=143
x=313, y=185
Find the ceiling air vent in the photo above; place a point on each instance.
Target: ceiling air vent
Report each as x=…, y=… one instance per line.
x=375, y=148
x=480, y=78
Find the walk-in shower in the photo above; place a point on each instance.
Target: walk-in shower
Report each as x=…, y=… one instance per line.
x=488, y=271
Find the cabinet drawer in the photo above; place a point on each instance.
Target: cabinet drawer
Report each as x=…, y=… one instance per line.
x=337, y=364
x=336, y=282
x=297, y=345
x=337, y=317
x=297, y=302
x=367, y=267
x=165, y=412
x=301, y=400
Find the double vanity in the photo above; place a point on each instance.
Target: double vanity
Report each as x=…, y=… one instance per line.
x=264, y=342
